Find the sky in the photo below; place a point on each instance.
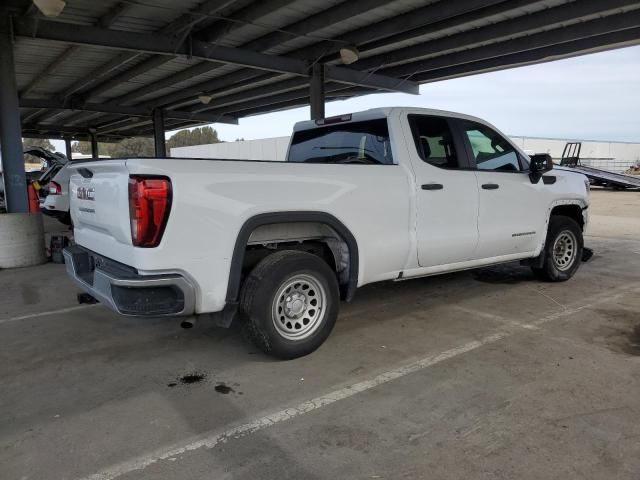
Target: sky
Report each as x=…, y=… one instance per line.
x=591, y=97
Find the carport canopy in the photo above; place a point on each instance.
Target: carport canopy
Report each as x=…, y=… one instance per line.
x=110, y=70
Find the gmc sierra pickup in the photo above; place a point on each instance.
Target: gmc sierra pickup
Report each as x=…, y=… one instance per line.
x=384, y=194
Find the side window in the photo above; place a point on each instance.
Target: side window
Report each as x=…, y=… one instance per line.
x=434, y=140
x=358, y=142
x=490, y=150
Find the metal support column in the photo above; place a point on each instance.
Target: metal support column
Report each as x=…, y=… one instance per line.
x=158, y=133
x=67, y=146
x=316, y=92
x=94, y=145
x=15, y=183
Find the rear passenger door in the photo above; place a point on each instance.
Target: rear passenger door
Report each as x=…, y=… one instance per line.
x=512, y=210
x=447, y=193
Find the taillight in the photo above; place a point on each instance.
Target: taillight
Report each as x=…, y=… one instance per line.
x=149, y=205
x=54, y=188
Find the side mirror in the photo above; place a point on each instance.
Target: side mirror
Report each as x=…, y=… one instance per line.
x=539, y=164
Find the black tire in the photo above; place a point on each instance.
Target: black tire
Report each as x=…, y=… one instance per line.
x=262, y=303
x=553, y=269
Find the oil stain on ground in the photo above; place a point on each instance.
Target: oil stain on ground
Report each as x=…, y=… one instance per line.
x=622, y=334
x=188, y=379
x=197, y=377
x=223, y=388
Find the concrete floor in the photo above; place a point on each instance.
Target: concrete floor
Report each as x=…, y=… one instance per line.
x=485, y=374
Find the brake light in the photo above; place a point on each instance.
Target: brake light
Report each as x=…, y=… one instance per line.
x=54, y=188
x=331, y=120
x=149, y=205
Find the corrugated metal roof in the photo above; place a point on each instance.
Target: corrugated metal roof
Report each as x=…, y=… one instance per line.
x=49, y=70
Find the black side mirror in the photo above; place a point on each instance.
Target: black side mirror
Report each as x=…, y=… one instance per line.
x=539, y=164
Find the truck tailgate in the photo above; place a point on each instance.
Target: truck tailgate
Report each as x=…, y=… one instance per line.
x=99, y=202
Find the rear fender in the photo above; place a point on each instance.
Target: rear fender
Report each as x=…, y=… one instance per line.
x=233, y=289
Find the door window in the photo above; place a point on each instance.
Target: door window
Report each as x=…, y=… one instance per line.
x=491, y=151
x=434, y=140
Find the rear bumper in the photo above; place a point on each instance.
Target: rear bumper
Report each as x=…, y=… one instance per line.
x=123, y=289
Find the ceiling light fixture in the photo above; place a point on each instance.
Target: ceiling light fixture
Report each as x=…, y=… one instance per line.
x=349, y=55
x=205, y=99
x=50, y=8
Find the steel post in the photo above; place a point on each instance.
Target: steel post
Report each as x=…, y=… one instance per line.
x=67, y=146
x=316, y=92
x=15, y=184
x=94, y=145
x=158, y=133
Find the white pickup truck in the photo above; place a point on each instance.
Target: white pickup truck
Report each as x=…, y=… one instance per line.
x=384, y=194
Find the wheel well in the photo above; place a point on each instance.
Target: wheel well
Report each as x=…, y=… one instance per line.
x=313, y=232
x=571, y=211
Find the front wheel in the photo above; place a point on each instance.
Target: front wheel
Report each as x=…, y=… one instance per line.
x=290, y=303
x=562, y=250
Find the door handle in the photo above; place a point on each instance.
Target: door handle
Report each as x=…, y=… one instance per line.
x=490, y=186
x=432, y=186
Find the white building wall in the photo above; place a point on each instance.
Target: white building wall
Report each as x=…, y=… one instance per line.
x=614, y=156
x=262, y=149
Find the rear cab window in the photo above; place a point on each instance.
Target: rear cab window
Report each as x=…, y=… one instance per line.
x=435, y=142
x=365, y=142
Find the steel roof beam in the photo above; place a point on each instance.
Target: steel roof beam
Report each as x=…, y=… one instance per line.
x=548, y=18
x=46, y=129
x=179, y=28
x=493, y=51
x=164, y=45
x=559, y=35
x=301, y=96
x=315, y=22
x=608, y=41
x=135, y=95
x=304, y=27
x=519, y=25
x=105, y=21
x=123, y=110
x=433, y=17
x=247, y=15
x=182, y=27
x=299, y=102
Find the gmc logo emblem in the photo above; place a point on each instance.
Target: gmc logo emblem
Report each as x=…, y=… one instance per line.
x=86, y=193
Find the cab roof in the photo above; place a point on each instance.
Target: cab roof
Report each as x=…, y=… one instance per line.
x=380, y=112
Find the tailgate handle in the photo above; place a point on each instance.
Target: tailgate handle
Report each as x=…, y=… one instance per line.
x=85, y=172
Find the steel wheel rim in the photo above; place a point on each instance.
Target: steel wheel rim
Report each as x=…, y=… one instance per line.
x=299, y=307
x=564, y=250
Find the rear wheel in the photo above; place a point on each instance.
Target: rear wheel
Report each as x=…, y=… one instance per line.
x=562, y=251
x=290, y=303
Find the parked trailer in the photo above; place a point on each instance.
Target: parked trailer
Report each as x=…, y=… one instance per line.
x=597, y=177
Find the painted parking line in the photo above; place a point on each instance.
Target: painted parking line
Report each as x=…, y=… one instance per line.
x=215, y=437
x=48, y=312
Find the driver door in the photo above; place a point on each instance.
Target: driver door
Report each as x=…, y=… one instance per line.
x=512, y=210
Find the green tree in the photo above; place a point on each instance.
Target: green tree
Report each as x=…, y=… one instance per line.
x=38, y=142
x=132, y=147
x=129, y=147
x=81, y=147
x=197, y=136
